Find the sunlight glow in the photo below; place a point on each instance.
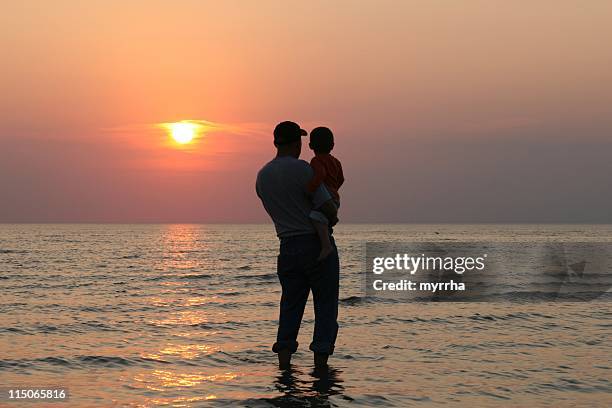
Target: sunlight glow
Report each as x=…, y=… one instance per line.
x=184, y=132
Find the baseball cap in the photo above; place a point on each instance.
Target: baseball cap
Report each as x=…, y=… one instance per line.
x=288, y=132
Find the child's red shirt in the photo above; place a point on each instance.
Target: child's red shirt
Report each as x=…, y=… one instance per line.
x=328, y=170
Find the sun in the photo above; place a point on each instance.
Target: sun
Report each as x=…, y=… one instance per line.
x=183, y=132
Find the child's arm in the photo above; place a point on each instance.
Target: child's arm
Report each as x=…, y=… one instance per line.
x=319, y=174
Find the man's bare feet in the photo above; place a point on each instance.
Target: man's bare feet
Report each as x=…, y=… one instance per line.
x=326, y=250
x=284, y=359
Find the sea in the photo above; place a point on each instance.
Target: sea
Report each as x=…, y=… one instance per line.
x=185, y=316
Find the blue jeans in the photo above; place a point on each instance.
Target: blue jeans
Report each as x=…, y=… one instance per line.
x=299, y=273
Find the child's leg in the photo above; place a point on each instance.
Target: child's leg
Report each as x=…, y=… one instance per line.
x=321, y=226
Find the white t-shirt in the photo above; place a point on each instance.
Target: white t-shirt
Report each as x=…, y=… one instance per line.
x=281, y=186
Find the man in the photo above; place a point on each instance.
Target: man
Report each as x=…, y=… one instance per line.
x=282, y=187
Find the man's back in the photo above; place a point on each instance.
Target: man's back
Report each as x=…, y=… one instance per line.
x=281, y=186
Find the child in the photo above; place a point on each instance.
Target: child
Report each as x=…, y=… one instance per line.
x=327, y=170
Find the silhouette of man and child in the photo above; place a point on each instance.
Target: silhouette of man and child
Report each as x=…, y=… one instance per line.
x=302, y=199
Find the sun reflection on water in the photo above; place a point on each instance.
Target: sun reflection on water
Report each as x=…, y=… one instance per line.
x=185, y=318
x=186, y=351
x=198, y=333
x=183, y=264
x=191, y=301
x=159, y=380
x=175, y=402
x=179, y=244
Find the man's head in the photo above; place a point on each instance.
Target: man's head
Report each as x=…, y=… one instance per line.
x=321, y=140
x=288, y=138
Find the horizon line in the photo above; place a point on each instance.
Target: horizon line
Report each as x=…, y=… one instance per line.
x=271, y=225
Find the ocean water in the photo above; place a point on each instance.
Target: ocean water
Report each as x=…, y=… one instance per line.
x=185, y=315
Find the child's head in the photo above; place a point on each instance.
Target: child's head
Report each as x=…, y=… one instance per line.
x=321, y=140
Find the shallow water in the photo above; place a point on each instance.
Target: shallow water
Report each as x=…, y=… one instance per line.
x=185, y=315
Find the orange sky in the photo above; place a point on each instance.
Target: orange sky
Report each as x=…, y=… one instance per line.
x=446, y=111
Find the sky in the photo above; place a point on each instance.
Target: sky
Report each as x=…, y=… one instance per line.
x=443, y=111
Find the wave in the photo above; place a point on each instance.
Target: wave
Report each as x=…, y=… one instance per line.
x=175, y=276
x=105, y=361
x=13, y=251
x=225, y=325
x=13, y=330
x=134, y=256
x=511, y=296
x=264, y=277
x=80, y=362
x=155, y=278
x=195, y=276
x=355, y=300
x=509, y=316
